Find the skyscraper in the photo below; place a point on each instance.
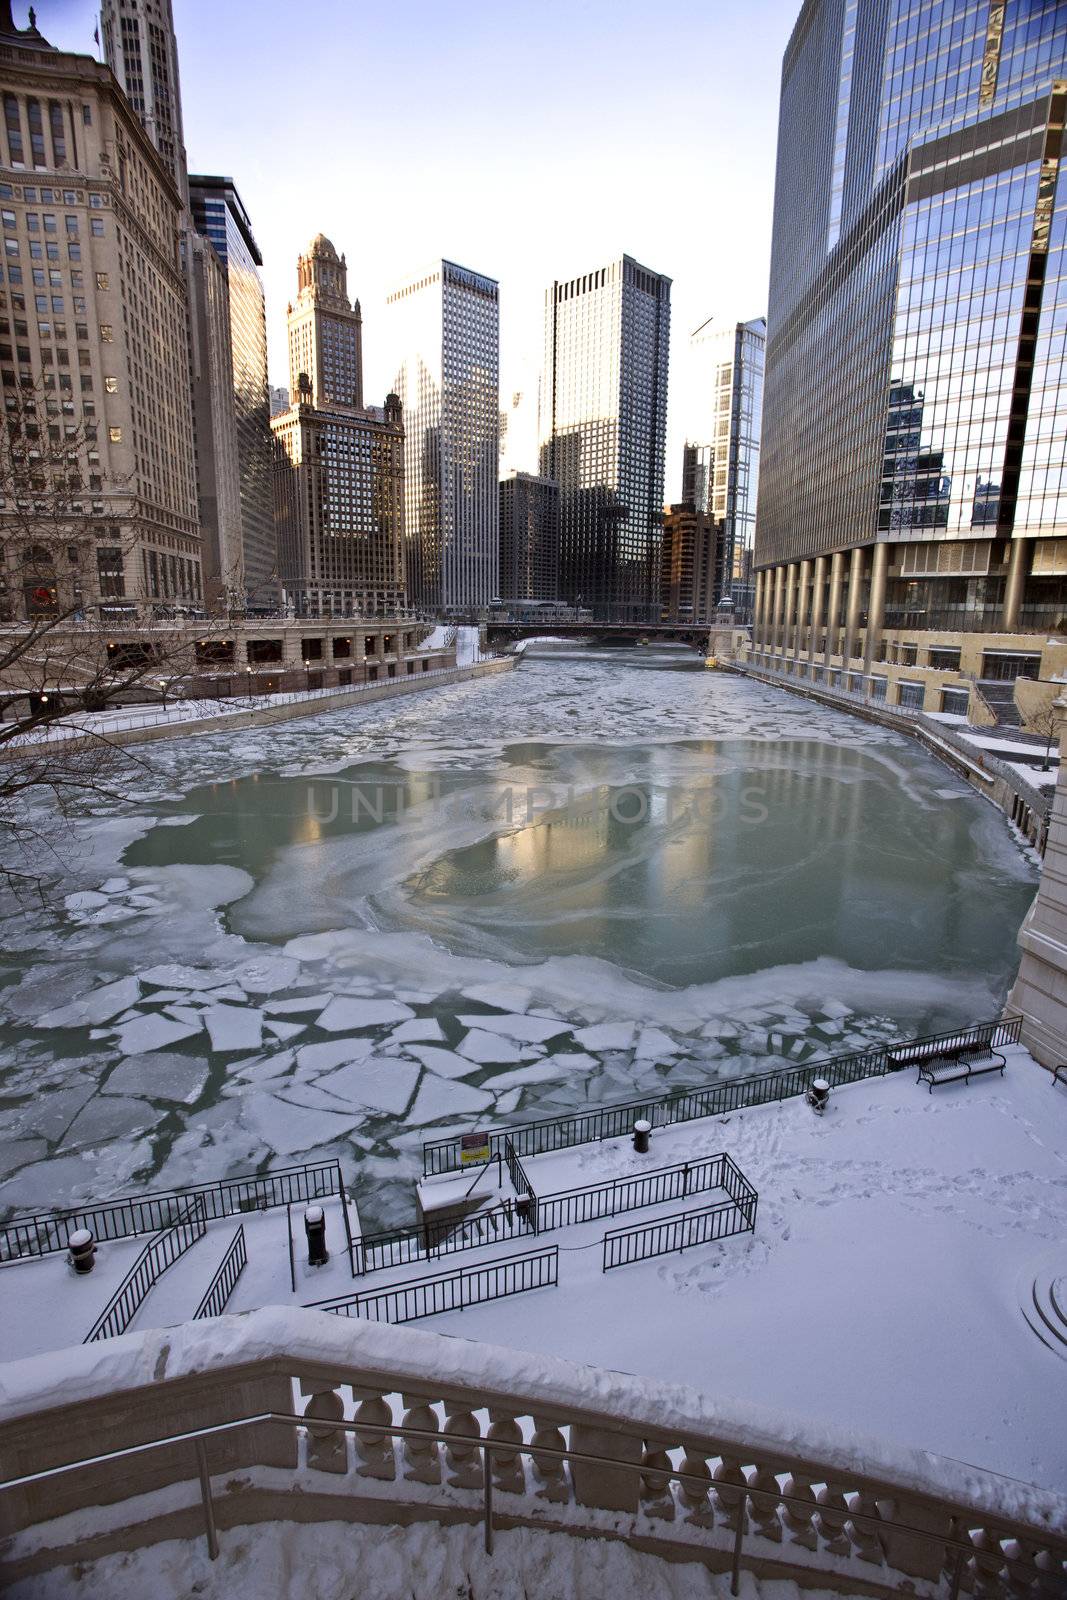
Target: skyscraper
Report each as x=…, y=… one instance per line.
x=529, y=538
x=218, y=472
x=915, y=342
x=219, y=215
x=445, y=324
x=339, y=466
x=96, y=349
x=141, y=49
x=729, y=362
x=603, y=426
x=692, y=564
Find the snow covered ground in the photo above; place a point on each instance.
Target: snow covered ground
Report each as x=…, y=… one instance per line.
x=347, y=1561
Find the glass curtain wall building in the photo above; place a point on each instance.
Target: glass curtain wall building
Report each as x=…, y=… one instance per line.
x=913, y=473
x=446, y=324
x=603, y=430
x=219, y=216
x=722, y=475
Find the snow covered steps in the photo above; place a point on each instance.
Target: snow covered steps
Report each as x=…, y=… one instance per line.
x=1043, y=1300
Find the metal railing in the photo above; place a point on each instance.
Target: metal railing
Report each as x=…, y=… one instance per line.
x=223, y=1283
x=159, y=1254
x=449, y=1291
x=399, y=1247
x=46, y=1232
x=595, y=1200
x=729, y=1094
x=670, y=1235
x=520, y=1182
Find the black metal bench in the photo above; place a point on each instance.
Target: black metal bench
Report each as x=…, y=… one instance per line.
x=966, y=1063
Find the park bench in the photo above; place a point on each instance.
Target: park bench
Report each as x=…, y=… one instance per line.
x=965, y=1063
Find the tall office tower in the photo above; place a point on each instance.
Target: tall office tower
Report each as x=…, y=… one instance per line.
x=279, y=398
x=339, y=466
x=219, y=215
x=141, y=49
x=94, y=346
x=603, y=426
x=729, y=369
x=913, y=492
x=215, y=427
x=697, y=460
x=446, y=326
x=529, y=538
x=692, y=564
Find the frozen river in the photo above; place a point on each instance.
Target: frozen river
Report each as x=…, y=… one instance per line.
x=594, y=875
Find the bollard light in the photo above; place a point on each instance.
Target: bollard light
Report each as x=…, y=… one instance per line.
x=819, y=1094
x=315, y=1228
x=82, y=1249
x=642, y=1129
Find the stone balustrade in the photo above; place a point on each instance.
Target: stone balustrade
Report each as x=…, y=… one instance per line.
x=392, y=1424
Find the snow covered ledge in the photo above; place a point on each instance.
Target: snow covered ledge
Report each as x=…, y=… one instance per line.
x=840, y=1512
x=1040, y=991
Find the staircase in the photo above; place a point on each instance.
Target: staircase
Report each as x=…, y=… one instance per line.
x=999, y=695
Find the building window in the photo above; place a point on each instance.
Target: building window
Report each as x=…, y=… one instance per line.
x=109, y=570
x=106, y=333
x=115, y=435
x=103, y=281
x=111, y=385
x=912, y=695
x=97, y=226
x=59, y=138
x=955, y=701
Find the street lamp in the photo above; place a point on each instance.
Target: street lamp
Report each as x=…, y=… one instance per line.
x=248, y=670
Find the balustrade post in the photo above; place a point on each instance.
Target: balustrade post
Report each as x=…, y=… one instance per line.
x=327, y=1446
x=549, y=1470
x=420, y=1456
x=729, y=1479
x=462, y=1456
x=909, y=1552
x=798, y=1519
x=832, y=1516
x=697, y=1499
x=656, y=1497
x=508, y=1471
x=763, y=1506
x=863, y=1528
x=375, y=1453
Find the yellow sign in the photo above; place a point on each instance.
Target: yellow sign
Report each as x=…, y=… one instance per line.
x=473, y=1149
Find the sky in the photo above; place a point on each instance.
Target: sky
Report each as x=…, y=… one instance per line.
x=526, y=142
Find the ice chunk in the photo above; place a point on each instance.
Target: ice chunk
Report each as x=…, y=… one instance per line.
x=444, y=1062
x=173, y=975
x=297, y=1005
x=438, y=1098
x=95, y=1008
x=654, y=1042
x=345, y=1012
x=538, y=1072
x=312, y=1058
x=152, y=1033
x=529, y=1030
x=234, y=1027
x=85, y=900
x=485, y=1047
x=508, y=996
x=288, y=1129
x=570, y=1061
x=160, y=1077
x=507, y=1102
x=607, y=1036
x=265, y=974
x=260, y=1068
x=190, y=1014
x=383, y=1083
x=108, y=1117
x=285, y=1030
x=418, y=1028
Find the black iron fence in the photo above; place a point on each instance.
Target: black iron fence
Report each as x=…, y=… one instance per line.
x=450, y=1291
x=623, y=1246
x=46, y=1232
x=375, y=1252
x=610, y=1199
x=159, y=1254
x=527, y=1199
x=222, y=1284
x=730, y=1094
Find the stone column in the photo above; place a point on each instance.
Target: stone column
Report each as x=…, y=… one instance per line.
x=833, y=610
x=802, y=607
x=876, y=604
x=818, y=599
x=1019, y=558
x=790, y=607
x=1040, y=991
x=779, y=596
x=852, y=605
x=757, y=614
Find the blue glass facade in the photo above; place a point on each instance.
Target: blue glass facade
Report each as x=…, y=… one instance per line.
x=917, y=323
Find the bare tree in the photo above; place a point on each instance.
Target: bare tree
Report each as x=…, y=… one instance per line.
x=1045, y=722
x=61, y=662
